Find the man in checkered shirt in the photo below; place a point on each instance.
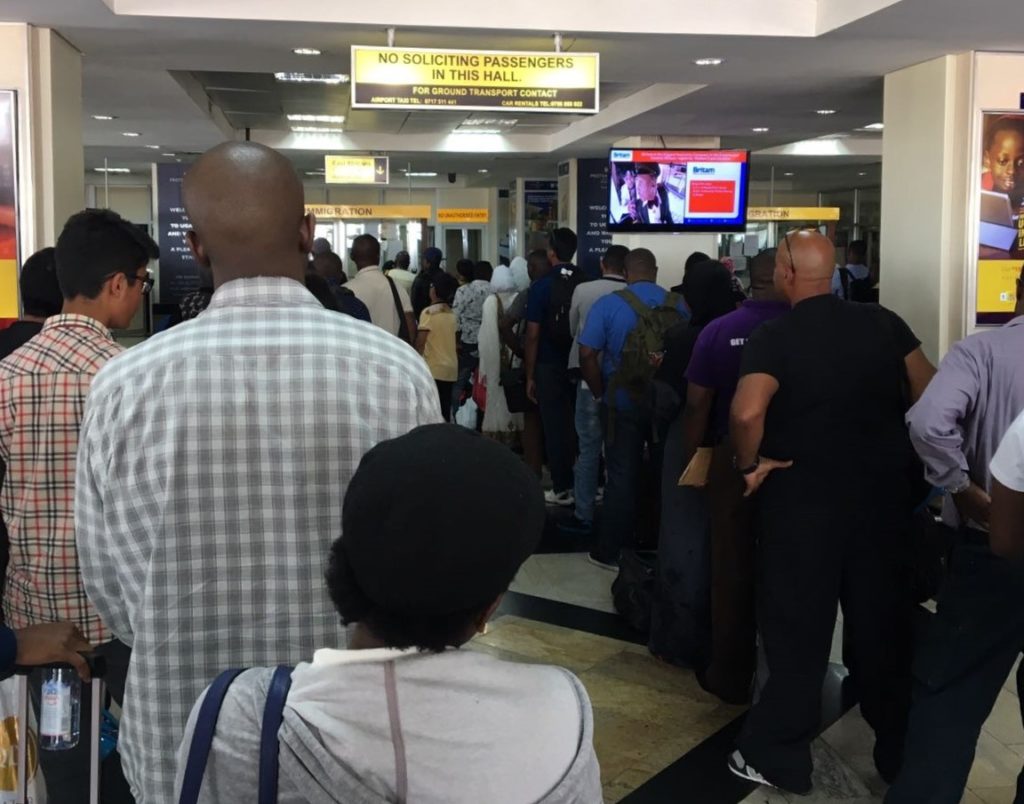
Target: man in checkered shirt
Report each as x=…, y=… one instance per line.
x=101, y=268
x=215, y=456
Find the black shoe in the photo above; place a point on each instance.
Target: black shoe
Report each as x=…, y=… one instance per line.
x=610, y=564
x=576, y=527
x=739, y=767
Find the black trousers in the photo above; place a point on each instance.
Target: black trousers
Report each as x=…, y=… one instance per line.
x=67, y=772
x=817, y=550
x=966, y=653
x=444, y=390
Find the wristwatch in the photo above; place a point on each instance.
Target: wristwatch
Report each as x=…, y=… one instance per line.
x=747, y=470
x=960, y=487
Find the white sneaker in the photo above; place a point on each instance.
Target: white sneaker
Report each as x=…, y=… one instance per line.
x=739, y=767
x=564, y=499
x=599, y=497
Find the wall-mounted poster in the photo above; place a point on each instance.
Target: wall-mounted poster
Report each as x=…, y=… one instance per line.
x=8, y=209
x=1001, y=224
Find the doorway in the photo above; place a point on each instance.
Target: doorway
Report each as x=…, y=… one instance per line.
x=463, y=243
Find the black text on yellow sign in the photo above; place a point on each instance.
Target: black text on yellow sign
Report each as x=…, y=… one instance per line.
x=483, y=80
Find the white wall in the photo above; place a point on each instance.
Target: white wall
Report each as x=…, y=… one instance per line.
x=671, y=251
x=924, y=192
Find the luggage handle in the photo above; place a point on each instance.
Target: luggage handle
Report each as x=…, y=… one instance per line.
x=97, y=668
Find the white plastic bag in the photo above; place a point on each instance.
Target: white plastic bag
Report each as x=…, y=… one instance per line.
x=10, y=731
x=466, y=415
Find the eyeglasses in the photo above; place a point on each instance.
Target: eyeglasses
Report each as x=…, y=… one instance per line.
x=147, y=280
x=789, y=246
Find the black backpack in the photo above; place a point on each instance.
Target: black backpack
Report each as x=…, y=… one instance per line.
x=556, y=325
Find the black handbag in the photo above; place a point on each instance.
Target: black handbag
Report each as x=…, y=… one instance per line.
x=633, y=588
x=513, y=383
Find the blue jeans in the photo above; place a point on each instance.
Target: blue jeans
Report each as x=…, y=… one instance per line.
x=963, y=658
x=588, y=431
x=626, y=434
x=554, y=398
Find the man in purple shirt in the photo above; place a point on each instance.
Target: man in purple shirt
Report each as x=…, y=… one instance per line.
x=712, y=377
x=971, y=645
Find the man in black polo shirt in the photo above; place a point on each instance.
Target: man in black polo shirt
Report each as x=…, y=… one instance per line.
x=822, y=397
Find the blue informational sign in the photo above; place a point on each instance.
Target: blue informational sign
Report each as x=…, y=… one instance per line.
x=179, y=272
x=592, y=214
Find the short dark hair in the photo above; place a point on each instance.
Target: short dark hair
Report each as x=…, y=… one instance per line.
x=466, y=269
x=615, y=258
x=407, y=629
x=389, y=265
x=445, y=285
x=40, y=292
x=365, y=251
x=563, y=243
x=329, y=262
x=484, y=271
x=694, y=259
x=648, y=169
x=857, y=248
x=1005, y=123
x=96, y=244
x=318, y=286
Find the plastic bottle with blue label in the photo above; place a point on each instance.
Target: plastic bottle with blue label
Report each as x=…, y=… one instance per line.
x=60, y=709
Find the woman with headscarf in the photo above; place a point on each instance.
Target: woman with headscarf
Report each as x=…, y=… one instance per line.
x=681, y=613
x=498, y=423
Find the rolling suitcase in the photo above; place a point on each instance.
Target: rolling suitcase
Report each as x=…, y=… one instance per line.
x=97, y=668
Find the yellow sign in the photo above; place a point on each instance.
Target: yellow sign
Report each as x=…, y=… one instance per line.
x=8, y=289
x=997, y=285
x=463, y=216
x=369, y=211
x=486, y=80
x=356, y=169
x=793, y=213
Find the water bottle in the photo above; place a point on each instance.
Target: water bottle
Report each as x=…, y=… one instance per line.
x=60, y=708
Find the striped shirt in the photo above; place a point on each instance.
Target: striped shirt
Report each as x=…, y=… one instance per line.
x=43, y=386
x=213, y=465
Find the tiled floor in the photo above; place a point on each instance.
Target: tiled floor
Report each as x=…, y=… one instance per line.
x=567, y=578
x=646, y=713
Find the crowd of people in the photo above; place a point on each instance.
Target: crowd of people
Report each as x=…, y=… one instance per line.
x=258, y=487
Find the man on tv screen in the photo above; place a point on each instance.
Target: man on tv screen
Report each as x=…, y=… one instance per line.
x=651, y=206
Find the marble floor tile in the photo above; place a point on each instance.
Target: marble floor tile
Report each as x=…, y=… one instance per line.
x=995, y=795
x=995, y=765
x=1005, y=721
x=539, y=642
x=567, y=578
x=853, y=740
x=970, y=797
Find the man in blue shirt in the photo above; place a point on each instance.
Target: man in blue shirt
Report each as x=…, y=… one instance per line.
x=607, y=329
x=548, y=343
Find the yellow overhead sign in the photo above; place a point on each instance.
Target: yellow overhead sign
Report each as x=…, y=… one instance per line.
x=486, y=80
x=793, y=213
x=463, y=216
x=356, y=169
x=369, y=211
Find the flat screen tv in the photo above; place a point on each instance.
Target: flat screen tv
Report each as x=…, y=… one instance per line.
x=669, y=190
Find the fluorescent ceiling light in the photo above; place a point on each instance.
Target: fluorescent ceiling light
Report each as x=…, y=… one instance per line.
x=862, y=173
x=483, y=170
x=315, y=173
x=826, y=112
x=130, y=134
x=788, y=174
x=873, y=127
x=170, y=155
x=316, y=130
x=104, y=117
x=708, y=62
x=424, y=175
x=760, y=130
x=112, y=170
x=489, y=121
x=311, y=78
x=152, y=147
x=305, y=51
x=316, y=118
x=478, y=131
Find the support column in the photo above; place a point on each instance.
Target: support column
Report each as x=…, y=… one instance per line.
x=924, y=198
x=46, y=72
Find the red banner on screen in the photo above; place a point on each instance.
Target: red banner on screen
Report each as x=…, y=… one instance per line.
x=711, y=197
x=685, y=157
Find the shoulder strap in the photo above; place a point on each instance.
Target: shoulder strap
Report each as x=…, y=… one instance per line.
x=270, y=745
x=202, y=736
x=403, y=329
x=636, y=305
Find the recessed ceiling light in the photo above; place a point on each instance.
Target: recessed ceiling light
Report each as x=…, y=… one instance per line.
x=478, y=131
x=316, y=130
x=760, y=130
x=112, y=170
x=483, y=170
x=305, y=51
x=708, y=62
x=104, y=117
x=169, y=155
x=311, y=78
x=423, y=175
x=789, y=174
x=489, y=121
x=862, y=173
x=152, y=147
x=130, y=134
x=826, y=112
x=873, y=127
x=315, y=173
x=316, y=118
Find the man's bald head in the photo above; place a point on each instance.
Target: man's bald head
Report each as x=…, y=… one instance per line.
x=804, y=265
x=246, y=206
x=641, y=265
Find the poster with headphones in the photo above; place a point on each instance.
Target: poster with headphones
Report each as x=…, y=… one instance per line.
x=1001, y=222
